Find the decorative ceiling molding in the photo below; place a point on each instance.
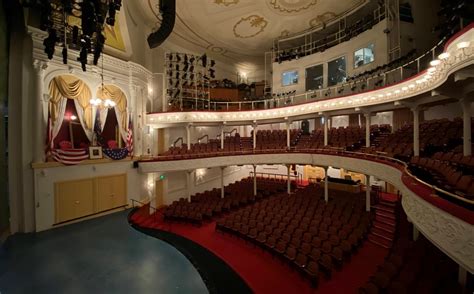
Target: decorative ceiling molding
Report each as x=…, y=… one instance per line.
x=226, y=2
x=250, y=26
x=322, y=19
x=291, y=6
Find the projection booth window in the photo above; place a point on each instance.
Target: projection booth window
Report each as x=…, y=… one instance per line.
x=290, y=78
x=337, y=71
x=364, y=56
x=314, y=77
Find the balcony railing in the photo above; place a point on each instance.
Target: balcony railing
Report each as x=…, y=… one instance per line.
x=460, y=207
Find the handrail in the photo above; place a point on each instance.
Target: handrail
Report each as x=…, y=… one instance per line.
x=401, y=164
x=178, y=140
x=298, y=178
x=200, y=138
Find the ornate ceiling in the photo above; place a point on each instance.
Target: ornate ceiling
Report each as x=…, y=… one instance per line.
x=242, y=30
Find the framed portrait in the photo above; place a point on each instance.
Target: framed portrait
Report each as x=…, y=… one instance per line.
x=95, y=152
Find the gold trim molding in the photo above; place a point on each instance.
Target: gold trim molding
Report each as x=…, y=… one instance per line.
x=226, y=3
x=288, y=7
x=252, y=21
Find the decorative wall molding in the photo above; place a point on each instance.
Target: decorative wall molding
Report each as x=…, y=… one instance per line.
x=452, y=235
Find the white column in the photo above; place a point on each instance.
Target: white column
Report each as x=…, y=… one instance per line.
x=288, y=134
x=137, y=122
x=39, y=128
x=416, y=233
x=466, y=114
x=222, y=137
x=462, y=277
x=416, y=131
x=222, y=181
x=367, y=193
x=255, y=180
x=188, y=135
x=326, y=127
x=188, y=184
x=289, y=179
x=254, y=136
x=367, y=129
x=326, y=184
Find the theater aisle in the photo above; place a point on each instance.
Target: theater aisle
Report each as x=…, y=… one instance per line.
x=104, y=255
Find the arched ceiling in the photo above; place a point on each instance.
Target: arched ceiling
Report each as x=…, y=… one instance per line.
x=242, y=30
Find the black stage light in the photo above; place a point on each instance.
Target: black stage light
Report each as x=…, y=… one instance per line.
x=213, y=62
x=191, y=69
x=75, y=35
x=49, y=43
x=64, y=55
x=204, y=60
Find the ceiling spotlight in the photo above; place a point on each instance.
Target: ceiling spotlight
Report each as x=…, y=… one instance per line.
x=444, y=55
x=463, y=45
x=435, y=62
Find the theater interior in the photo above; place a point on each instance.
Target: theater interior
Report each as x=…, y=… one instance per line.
x=236, y=146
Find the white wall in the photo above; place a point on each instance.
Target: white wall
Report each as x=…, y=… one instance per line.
x=375, y=36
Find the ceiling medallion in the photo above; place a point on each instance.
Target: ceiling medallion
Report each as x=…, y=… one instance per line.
x=248, y=27
x=322, y=19
x=226, y=2
x=291, y=6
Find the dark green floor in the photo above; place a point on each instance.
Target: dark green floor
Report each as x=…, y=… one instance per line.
x=104, y=255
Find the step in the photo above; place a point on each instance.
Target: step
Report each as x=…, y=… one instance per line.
x=385, y=220
x=387, y=203
x=385, y=208
x=385, y=215
x=382, y=234
x=383, y=226
x=380, y=241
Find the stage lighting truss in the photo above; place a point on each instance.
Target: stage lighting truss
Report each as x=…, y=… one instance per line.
x=188, y=80
x=77, y=25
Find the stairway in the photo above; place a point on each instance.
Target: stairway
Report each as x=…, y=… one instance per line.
x=383, y=228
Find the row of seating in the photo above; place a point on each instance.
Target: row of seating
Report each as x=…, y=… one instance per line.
x=204, y=206
x=302, y=229
x=445, y=175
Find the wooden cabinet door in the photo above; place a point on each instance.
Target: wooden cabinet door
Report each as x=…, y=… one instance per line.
x=111, y=192
x=74, y=199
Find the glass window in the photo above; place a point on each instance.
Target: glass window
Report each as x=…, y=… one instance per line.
x=290, y=78
x=364, y=56
x=314, y=77
x=337, y=71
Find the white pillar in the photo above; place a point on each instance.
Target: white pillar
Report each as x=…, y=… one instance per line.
x=188, y=135
x=462, y=277
x=326, y=127
x=289, y=179
x=222, y=181
x=416, y=233
x=255, y=136
x=416, y=131
x=326, y=184
x=255, y=180
x=222, y=137
x=188, y=184
x=288, y=134
x=367, y=193
x=466, y=114
x=367, y=129
x=39, y=129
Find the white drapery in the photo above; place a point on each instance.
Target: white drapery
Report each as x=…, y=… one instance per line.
x=56, y=125
x=80, y=115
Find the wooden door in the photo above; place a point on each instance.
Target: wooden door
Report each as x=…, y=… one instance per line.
x=111, y=192
x=161, y=141
x=74, y=199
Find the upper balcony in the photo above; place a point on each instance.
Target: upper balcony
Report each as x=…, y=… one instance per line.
x=393, y=82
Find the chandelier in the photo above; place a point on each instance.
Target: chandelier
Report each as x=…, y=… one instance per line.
x=75, y=24
x=97, y=102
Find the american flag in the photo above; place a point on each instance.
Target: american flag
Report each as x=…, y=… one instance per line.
x=70, y=156
x=98, y=130
x=130, y=136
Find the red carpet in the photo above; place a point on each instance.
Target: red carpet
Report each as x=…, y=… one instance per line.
x=265, y=274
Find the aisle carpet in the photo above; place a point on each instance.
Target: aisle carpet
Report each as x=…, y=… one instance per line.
x=265, y=274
